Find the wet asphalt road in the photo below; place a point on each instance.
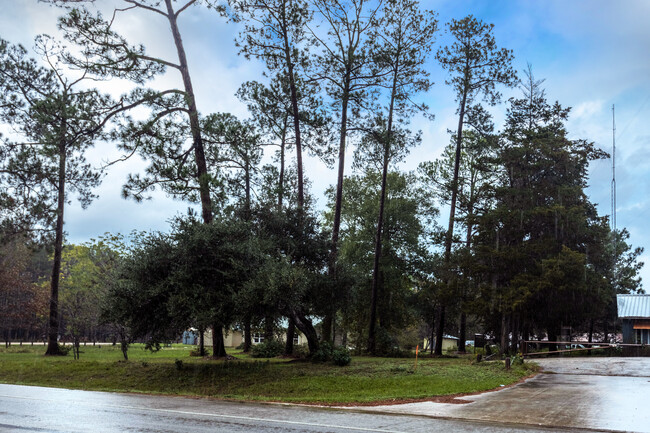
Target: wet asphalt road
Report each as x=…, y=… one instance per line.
x=36, y=409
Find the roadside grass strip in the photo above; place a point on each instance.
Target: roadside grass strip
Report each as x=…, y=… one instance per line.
x=365, y=380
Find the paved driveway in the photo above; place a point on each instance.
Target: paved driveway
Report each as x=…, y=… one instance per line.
x=583, y=393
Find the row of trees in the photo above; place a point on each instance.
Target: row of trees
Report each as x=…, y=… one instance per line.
x=24, y=288
x=524, y=250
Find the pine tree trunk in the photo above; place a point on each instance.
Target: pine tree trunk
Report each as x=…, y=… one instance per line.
x=282, y=153
x=269, y=333
x=248, y=341
x=504, y=330
x=218, y=347
x=296, y=115
x=514, y=326
x=202, y=342
x=440, y=330
x=53, y=333
x=452, y=215
x=591, y=334
x=328, y=321
x=291, y=332
x=372, y=343
x=463, y=331
x=195, y=127
x=553, y=336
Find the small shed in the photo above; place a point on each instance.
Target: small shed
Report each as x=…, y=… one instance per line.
x=634, y=312
x=190, y=336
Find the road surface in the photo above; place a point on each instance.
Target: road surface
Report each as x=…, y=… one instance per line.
x=36, y=409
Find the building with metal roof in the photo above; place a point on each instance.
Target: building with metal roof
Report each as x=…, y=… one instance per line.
x=634, y=312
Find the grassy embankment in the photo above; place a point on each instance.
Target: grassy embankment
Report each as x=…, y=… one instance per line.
x=365, y=380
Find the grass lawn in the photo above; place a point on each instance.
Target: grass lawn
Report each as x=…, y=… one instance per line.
x=365, y=380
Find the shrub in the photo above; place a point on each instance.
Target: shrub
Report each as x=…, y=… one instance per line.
x=267, y=349
x=64, y=350
x=195, y=352
x=179, y=364
x=516, y=360
x=324, y=353
x=301, y=351
x=341, y=356
x=337, y=355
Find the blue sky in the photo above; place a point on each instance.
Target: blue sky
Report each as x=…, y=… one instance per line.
x=592, y=54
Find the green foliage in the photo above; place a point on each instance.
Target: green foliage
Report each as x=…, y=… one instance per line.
x=406, y=224
x=46, y=109
x=196, y=352
x=267, y=349
x=328, y=353
x=387, y=344
x=57, y=118
x=341, y=356
x=64, y=350
x=170, y=138
x=301, y=351
x=475, y=64
x=324, y=352
x=516, y=360
x=86, y=271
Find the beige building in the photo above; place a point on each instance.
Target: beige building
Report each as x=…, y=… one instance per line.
x=235, y=338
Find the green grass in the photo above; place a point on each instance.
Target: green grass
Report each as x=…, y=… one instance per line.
x=367, y=379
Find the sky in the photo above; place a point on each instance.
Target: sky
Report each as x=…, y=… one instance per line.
x=592, y=54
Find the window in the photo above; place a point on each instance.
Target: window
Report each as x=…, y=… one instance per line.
x=258, y=338
x=295, y=339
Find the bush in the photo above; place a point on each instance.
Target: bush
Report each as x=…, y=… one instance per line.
x=388, y=346
x=397, y=352
x=179, y=364
x=341, y=356
x=301, y=351
x=196, y=352
x=267, y=349
x=64, y=350
x=516, y=360
x=338, y=355
x=324, y=353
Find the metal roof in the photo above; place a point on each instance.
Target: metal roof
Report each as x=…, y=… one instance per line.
x=633, y=306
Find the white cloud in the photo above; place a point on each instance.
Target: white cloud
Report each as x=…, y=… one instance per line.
x=592, y=54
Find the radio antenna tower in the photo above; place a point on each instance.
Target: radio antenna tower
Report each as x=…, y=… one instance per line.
x=613, y=221
x=613, y=193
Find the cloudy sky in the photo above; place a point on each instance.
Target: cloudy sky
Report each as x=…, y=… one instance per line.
x=592, y=54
